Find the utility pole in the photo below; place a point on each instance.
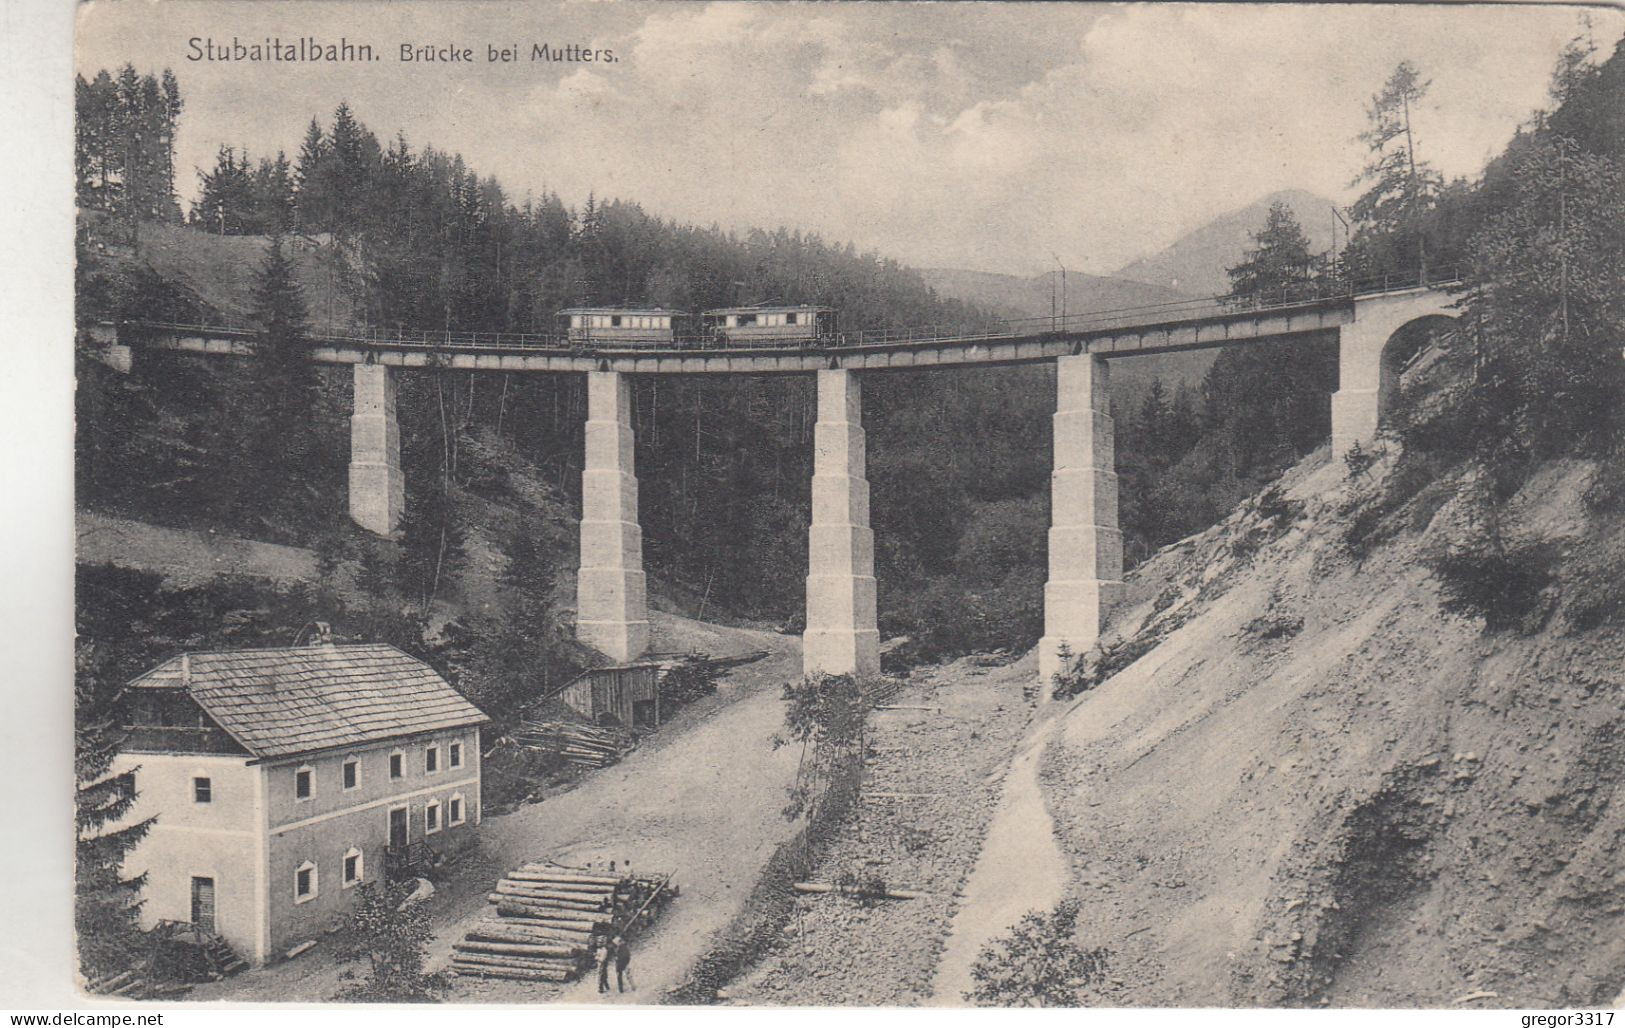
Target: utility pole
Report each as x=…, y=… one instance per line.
x=1338, y=215
x=1058, y=264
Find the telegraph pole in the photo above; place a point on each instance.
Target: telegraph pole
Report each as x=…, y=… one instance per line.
x=1058, y=264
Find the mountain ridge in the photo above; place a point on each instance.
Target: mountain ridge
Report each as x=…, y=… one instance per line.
x=1195, y=263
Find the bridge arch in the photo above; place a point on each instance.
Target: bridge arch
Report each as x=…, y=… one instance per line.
x=1387, y=333
x=1402, y=349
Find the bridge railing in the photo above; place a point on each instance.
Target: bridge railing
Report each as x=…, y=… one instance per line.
x=1301, y=296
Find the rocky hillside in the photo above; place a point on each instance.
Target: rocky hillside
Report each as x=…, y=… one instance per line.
x=1320, y=786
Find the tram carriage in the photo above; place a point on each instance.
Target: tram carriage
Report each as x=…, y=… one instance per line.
x=769, y=325
x=630, y=327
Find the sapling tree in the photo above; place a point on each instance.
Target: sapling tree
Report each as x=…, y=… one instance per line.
x=390, y=935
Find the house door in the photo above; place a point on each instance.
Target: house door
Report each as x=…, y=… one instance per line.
x=203, y=903
x=397, y=828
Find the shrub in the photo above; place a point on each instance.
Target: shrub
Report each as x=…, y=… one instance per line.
x=1359, y=460
x=1503, y=585
x=1038, y=963
x=391, y=936
x=1273, y=624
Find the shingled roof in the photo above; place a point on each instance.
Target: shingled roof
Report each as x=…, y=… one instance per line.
x=279, y=702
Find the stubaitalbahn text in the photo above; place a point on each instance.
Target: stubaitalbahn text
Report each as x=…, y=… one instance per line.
x=314, y=50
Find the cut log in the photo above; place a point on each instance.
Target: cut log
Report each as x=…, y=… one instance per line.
x=544, y=891
x=509, y=960
x=562, y=974
x=534, y=879
x=515, y=974
x=563, y=887
x=541, y=919
x=550, y=908
x=516, y=926
x=569, y=945
x=516, y=949
x=507, y=906
x=567, y=875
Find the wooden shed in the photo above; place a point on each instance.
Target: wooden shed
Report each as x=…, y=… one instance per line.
x=629, y=693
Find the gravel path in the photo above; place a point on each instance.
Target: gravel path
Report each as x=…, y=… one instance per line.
x=1021, y=869
x=930, y=787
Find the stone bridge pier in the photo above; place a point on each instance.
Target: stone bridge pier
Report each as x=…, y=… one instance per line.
x=841, y=637
x=377, y=484
x=612, y=612
x=1085, y=545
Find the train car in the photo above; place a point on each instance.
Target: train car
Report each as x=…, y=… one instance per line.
x=628, y=327
x=768, y=325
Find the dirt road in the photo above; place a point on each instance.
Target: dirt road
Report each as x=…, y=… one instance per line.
x=701, y=798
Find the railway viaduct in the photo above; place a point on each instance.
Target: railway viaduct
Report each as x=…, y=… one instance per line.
x=1374, y=333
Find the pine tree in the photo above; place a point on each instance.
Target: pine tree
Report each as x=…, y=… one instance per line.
x=107, y=903
x=278, y=397
x=1266, y=401
x=1279, y=268
x=1402, y=189
x=315, y=197
x=273, y=195
x=226, y=201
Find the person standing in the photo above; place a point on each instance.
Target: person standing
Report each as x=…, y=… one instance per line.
x=623, y=964
x=603, y=953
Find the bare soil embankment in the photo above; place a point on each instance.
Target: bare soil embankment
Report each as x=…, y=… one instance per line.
x=1321, y=788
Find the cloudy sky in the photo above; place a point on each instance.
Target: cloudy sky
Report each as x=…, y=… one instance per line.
x=969, y=135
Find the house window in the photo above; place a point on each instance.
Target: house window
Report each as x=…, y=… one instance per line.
x=351, y=773
x=790, y=319
x=301, y=783
x=202, y=791
x=431, y=817
x=304, y=883
x=397, y=764
x=352, y=868
x=454, y=754
x=615, y=321
x=431, y=759
x=454, y=809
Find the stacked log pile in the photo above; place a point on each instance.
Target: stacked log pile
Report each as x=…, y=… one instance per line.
x=582, y=744
x=546, y=918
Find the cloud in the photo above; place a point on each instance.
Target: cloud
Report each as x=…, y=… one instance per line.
x=973, y=135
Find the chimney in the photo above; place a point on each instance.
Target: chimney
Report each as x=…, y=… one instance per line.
x=186, y=671
x=324, y=634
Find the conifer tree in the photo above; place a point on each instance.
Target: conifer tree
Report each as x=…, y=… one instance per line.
x=107, y=903
x=279, y=408
x=315, y=199
x=1279, y=268
x=1401, y=189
